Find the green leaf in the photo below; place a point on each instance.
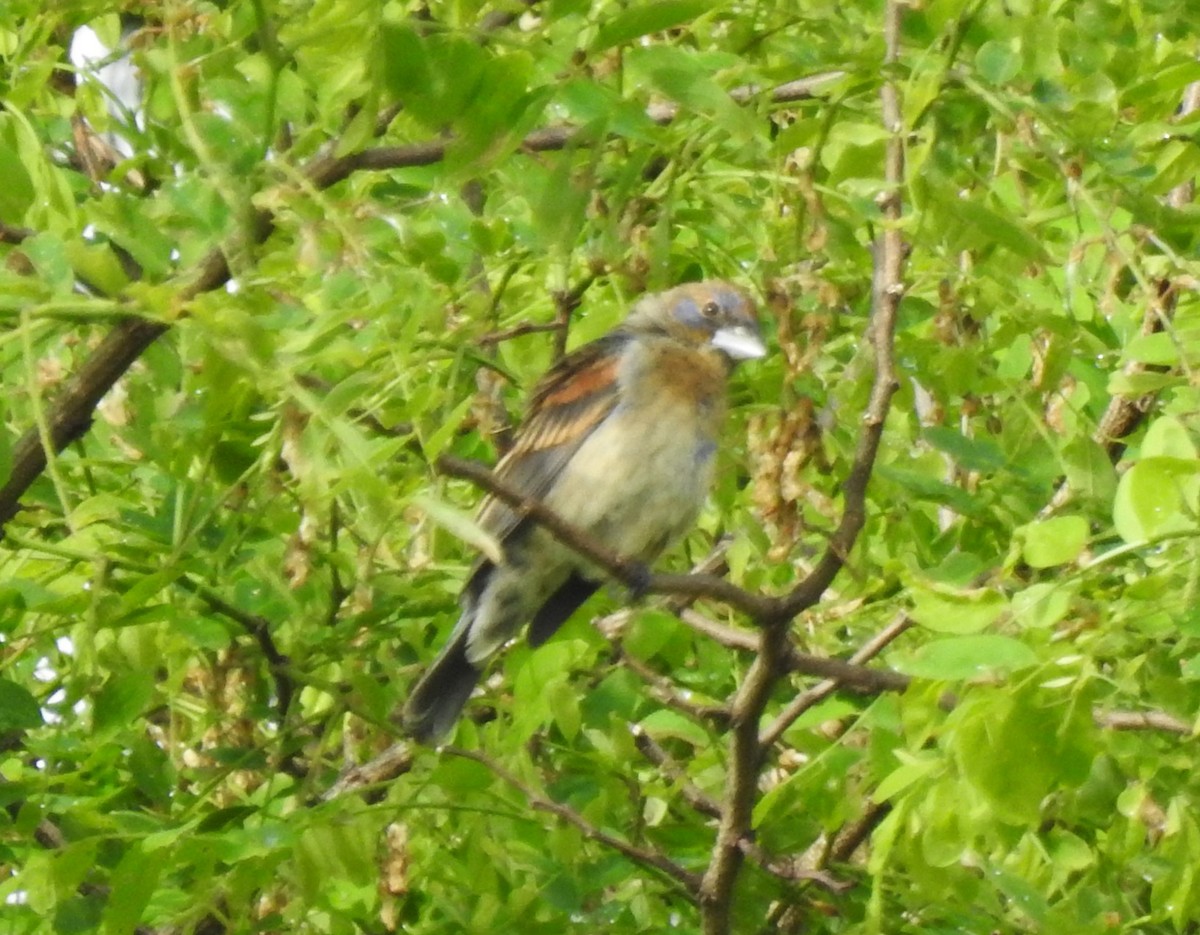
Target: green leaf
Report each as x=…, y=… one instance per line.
x=974, y=454
x=924, y=487
x=912, y=770
x=19, y=710
x=966, y=657
x=133, y=884
x=1139, y=384
x=123, y=699
x=437, y=440
x=1042, y=605
x=5, y=455
x=998, y=62
x=98, y=266
x=1167, y=438
x=1023, y=896
x=127, y=221
x=540, y=681
x=48, y=254
x=334, y=851
x=76, y=915
x=1166, y=80
x=1089, y=471
x=406, y=70
x=460, y=524
x=949, y=611
x=1019, y=746
x=665, y=724
x=1157, y=496
x=641, y=19
x=1159, y=348
x=1054, y=541
x=687, y=78
x=17, y=193
x=992, y=227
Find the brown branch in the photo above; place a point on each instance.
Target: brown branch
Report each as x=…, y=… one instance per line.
x=888, y=289
x=71, y=414
x=746, y=752
x=644, y=857
x=729, y=637
x=745, y=764
x=332, y=169
x=565, y=302
x=395, y=761
x=844, y=674
x=852, y=836
x=849, y=674
x=12, y=234
x=627, y=571
x=712, y=564
x=1141, y=720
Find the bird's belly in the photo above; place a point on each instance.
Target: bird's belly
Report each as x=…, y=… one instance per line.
x=637, y=490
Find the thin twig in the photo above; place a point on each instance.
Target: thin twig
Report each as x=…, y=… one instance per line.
x=848, y=674
x=872, y=680
x=259, y=628
x=518, y=331
x=729, y=637
x=688, y=881
x=332, y=168
x=792, y=870
x=701, y=801
x=565, y=302
x=666, y=693
x=1142, y=720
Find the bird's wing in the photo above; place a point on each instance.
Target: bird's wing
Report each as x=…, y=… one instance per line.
x=570, y=401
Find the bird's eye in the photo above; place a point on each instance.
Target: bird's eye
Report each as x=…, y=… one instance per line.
x=710, y=310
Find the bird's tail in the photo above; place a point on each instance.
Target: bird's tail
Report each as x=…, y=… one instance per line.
x=438, y=698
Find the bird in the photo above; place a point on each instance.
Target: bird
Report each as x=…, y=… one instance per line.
x=619, y=440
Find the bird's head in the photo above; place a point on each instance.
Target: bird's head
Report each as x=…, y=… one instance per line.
x=710, y=314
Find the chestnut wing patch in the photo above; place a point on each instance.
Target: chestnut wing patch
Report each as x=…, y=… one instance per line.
x=573, y=398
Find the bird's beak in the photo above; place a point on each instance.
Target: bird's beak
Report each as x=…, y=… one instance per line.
x=739, y=342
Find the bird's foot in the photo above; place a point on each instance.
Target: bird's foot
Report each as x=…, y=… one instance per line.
x=639, y=580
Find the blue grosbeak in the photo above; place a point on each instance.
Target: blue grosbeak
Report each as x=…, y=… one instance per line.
x=618, y=440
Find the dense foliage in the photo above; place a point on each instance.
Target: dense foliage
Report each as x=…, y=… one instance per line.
x=213, y=599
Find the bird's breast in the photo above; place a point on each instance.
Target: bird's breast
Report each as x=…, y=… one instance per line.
x=641, y=478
